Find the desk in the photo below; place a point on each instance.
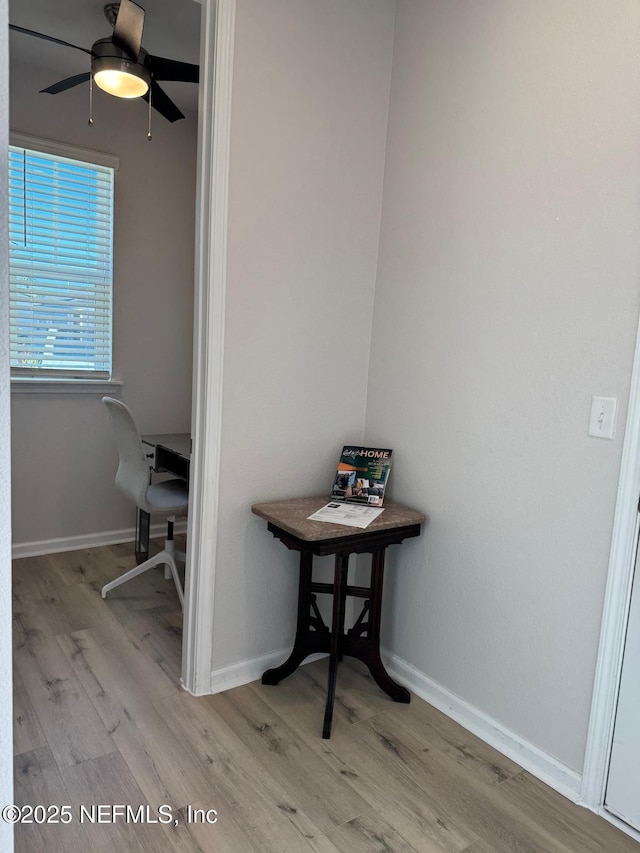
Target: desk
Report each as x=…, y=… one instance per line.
x=168, y=453
x=288, y=521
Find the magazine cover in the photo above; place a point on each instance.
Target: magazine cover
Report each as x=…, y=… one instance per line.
x=362, y=475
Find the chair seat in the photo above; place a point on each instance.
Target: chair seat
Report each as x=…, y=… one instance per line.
x=170, y=497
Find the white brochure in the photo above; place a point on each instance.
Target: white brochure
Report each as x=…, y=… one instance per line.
x=352, y=515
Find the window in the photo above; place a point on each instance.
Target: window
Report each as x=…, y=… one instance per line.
x=60, y=265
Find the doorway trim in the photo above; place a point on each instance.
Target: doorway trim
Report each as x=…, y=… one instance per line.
x=214, y=131
x=616, y=609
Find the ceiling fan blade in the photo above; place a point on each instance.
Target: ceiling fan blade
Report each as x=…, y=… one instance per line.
x=68, y=83
x=171, y=69
x=48, y=38
x=127, y=31
x=163, y=103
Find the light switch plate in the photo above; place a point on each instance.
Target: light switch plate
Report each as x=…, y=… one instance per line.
x=602, y=420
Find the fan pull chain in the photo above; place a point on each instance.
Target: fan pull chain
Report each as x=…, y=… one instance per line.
x=149, y=130
x=91, y=101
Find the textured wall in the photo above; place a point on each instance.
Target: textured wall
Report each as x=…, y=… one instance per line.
x=310, y=100
x=6, y=744
x=63, y=455
x=507, y=295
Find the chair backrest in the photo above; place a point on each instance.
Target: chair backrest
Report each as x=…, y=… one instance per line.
x=132, y=476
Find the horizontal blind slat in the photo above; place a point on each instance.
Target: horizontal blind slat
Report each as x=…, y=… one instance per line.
x=74, y=284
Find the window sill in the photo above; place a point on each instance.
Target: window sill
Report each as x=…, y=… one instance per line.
x=37, y=385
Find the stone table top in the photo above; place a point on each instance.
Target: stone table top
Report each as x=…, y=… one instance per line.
x=292, y=515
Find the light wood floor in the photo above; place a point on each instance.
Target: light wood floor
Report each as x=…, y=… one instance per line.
x=100, y=719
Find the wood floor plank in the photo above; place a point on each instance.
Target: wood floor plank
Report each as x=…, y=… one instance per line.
x=500, y=820
x=27, y=731
x=252, y=805
x=30, y=578
x=425, y=824
x=480, y=847
x=433, y=728
x=156, y=631
x=382, y=777
x=323, y=795
x=37, y=781
x=430, y=773
x=226, y=836
x=358, y=697
x=148, y=671
x=73, y=730
x=44, y=618
x=567, y=826
x=107, y=780
x=64, y=609
x=163, y=768
x=302, y=698
x=370, y=833
x=262, y=831
x=91, y=566
x=85, y=598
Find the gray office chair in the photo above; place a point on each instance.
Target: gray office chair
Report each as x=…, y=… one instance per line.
x=170, y=498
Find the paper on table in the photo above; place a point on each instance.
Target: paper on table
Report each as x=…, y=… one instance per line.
x=352, y=515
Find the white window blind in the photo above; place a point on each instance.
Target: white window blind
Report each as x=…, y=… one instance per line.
x=60, y=265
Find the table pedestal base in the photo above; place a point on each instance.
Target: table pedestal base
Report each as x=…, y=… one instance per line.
x=362, y=641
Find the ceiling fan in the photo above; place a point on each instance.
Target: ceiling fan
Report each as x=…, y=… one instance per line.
x=121, y=66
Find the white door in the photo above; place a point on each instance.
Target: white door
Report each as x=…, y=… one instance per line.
x=623, y=786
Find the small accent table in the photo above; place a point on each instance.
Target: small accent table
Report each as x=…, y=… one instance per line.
x=288, y=521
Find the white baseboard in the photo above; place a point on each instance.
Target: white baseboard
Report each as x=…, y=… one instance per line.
x=243, y=672
x=89, y=540
x=545, y=767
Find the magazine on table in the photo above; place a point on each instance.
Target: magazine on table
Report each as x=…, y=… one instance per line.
x=358, y=487
x=362, y=475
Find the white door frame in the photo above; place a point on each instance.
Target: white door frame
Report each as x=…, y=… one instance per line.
x=616, y=610
x=214, y=124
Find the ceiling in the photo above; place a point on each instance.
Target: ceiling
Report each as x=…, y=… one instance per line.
x=171, y=30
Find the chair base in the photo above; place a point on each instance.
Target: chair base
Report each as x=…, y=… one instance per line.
x=168, y=557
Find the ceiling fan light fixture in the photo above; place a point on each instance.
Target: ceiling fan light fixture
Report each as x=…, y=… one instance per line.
x=117, y=74
x=121, y=83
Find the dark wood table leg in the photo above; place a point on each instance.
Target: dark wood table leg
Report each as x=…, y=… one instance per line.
x=337, y=632
x=371, y=655
x=343, y=605
x=304, y=644
x=142, y=536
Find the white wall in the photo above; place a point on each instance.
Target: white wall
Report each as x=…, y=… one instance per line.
x=310, y=100
x=507, y=295
x=6, y=714
x=63, y=455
